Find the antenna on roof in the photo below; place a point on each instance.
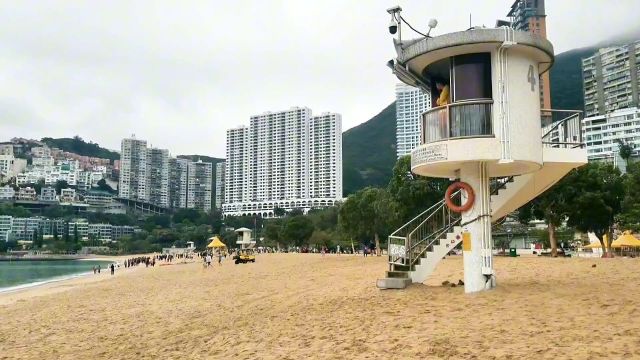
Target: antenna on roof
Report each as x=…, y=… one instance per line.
x=469, y=20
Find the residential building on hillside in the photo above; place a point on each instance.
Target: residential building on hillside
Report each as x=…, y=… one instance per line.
x=100, y=232
x=43, y=161
x=529, y=15
x=6, y=149
x=288, y=159
x=68, y=195
x=98, y=198
x=81, y=226
x=7, y=193
x=40, y=152
x=27, y=194
x=158, y=176
x=51, y=227
x=11, y=166
x=199, y=185
x=133, y=169
x=48, y=194
x=24, y=228
x=610, y=79
x=411, y=102
x=219, y=188
x=5, y=227
x=178, y=177
x=118, y=232
x=602, y=134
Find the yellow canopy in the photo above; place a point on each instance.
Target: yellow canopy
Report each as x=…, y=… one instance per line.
x=216, y=243
x=626, y=240
x=593, y=245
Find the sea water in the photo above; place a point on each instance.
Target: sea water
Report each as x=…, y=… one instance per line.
x=20, y=274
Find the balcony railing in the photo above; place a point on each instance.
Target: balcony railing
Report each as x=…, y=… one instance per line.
x=562, y=128
x=457, y=120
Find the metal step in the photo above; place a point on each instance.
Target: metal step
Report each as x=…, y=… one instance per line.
x=397, y=274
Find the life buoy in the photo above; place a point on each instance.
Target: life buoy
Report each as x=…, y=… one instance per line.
x=471, y=196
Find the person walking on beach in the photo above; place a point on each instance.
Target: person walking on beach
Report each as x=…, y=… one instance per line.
x=95, y=270
x=219, y=258
x=113, y=269
x=99, y=267
x=208, y=260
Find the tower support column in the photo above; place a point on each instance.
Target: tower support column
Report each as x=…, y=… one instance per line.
x=477, y=242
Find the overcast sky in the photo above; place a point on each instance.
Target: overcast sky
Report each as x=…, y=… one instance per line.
x=179, y=73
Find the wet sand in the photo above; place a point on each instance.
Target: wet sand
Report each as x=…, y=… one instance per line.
x=295, y=306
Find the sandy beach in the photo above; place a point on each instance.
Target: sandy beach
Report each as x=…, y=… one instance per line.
x=295, y=306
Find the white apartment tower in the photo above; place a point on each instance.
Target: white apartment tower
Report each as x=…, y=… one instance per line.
x=133, y=169
x=325, y=156
x=178, y=177
x=158, y=176
x=236, y=188
x=287, y=159
x=220, y=180
x=411, y=102
x=611, y=79
x=199, y=185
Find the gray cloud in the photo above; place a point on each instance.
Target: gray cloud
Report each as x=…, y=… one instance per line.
x=179, y=73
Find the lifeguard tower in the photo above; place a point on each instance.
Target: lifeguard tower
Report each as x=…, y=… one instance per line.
x=491, y=137
x=244, y=239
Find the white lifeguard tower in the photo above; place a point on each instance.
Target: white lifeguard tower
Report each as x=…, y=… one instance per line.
x=244, y=238
x=492, y=137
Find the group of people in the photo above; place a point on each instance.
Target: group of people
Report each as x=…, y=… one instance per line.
x=146, y=260
x=98, y=268
x=208, y=258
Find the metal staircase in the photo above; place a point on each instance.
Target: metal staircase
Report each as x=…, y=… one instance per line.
x=417, y=247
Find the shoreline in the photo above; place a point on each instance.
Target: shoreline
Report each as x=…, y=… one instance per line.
x=21, y=292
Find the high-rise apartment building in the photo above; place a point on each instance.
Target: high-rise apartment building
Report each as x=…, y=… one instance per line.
x=219, y=188
x=610, y=79
x=286, y=159
x=158, y=176
x=133, y=169
x=411, y=102
x=529, y=15
x=603, y=134
x=236, y=187
x=325, y=156
x=178, y=176
x=199, y=185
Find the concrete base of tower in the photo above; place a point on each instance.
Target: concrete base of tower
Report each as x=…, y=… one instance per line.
x=476, y=223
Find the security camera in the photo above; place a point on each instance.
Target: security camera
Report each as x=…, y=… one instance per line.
x=393, y=27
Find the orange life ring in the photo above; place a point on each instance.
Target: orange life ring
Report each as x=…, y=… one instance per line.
x=471, y=196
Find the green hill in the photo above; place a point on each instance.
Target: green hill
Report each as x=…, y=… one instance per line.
x=78, y=146
x=369, y=152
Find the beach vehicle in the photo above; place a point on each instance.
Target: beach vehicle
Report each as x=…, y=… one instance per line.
x=245, y=256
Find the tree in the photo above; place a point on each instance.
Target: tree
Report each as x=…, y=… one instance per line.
x=629, y=217
x=369, y=212
x=321, y=238
x=278, y=211
x=103, y=186
x=296, y=231
x=36, y=239
x=596, y=194
x=55, y=231
x=625, y=150
x=552, y=207
x=65, y=233
x=412, y=192
x=157, y=221
x=61, y=184
x=76, y=238
x=272, y=232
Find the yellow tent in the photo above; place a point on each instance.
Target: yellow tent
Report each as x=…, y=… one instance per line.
x=593, y=245
x=626, y=240
x=216, y=243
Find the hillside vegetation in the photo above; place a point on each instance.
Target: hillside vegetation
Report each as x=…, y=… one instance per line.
x=78, y=146
x=369, y=152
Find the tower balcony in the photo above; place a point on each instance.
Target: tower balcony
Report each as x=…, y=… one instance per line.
x=458, y=120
